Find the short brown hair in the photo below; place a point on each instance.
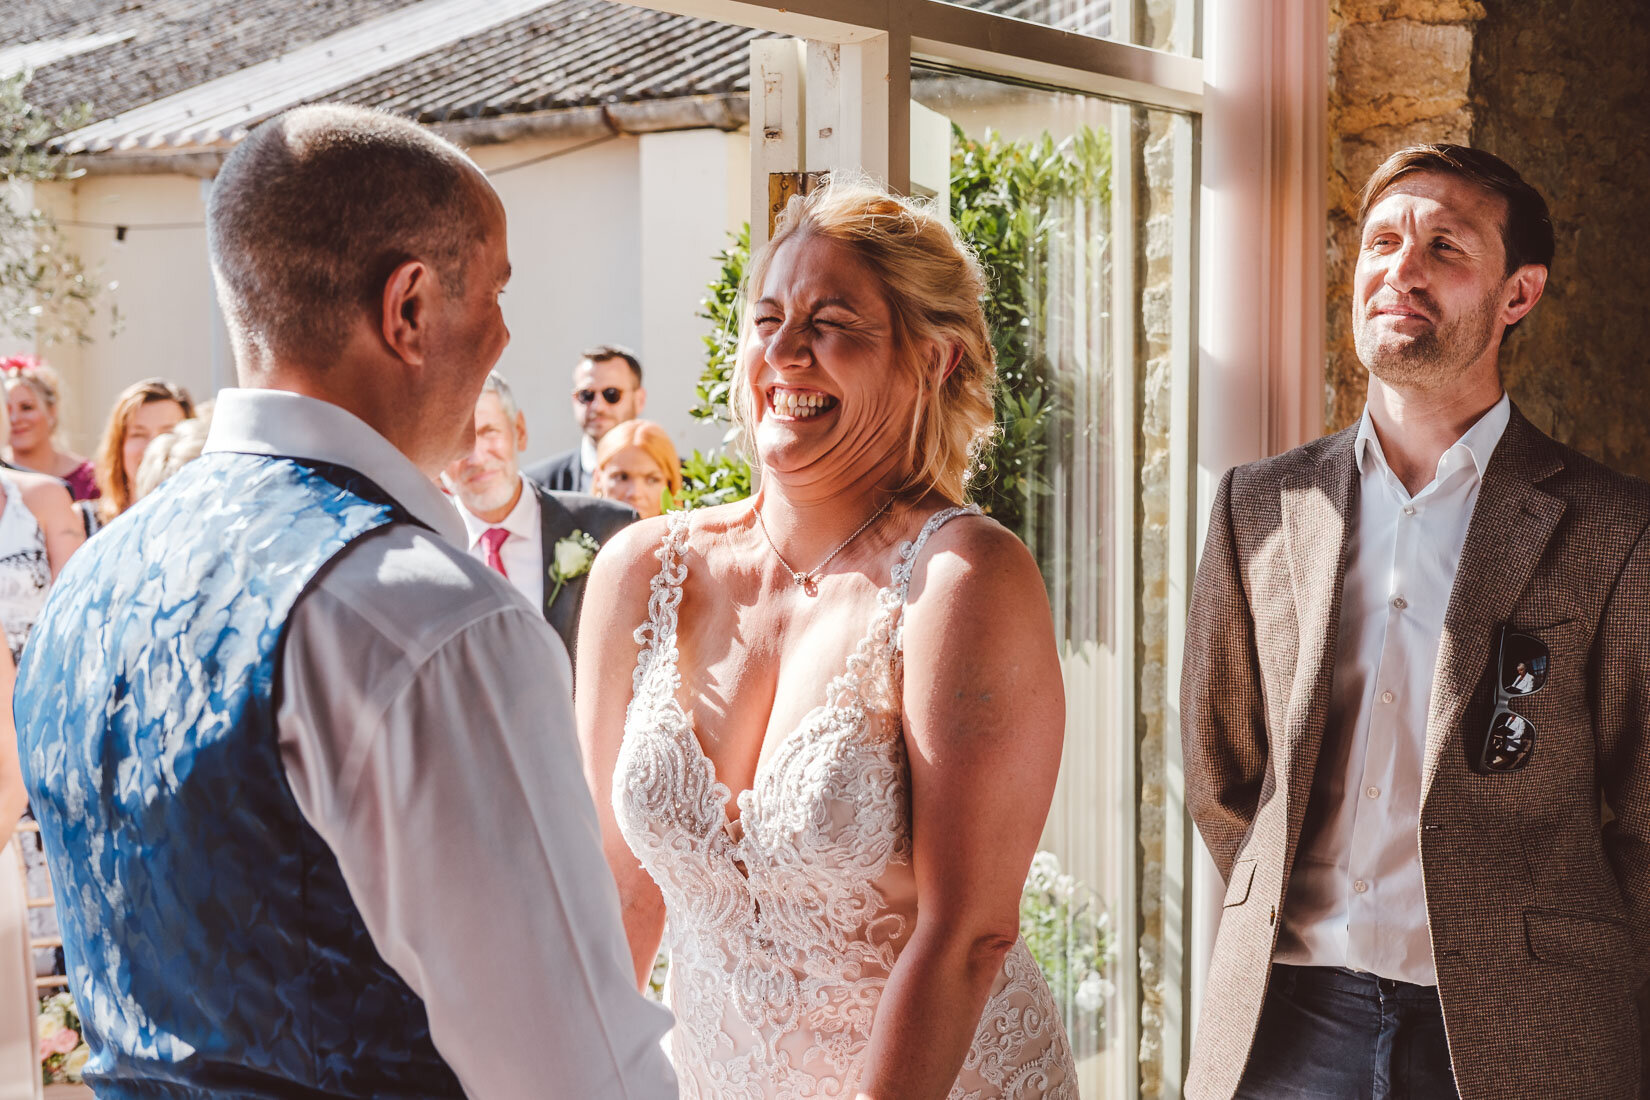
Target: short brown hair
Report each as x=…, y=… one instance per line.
x=614, y=351
x=933, y=286
x=314, y=210
x=114, y=480
x=1527, y=231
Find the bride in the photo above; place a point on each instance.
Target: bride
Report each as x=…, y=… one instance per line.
x=824, y=758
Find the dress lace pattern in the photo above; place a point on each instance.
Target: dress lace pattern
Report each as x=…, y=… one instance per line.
x=784, y=928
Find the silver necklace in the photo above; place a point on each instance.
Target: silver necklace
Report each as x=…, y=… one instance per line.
x=809, y=581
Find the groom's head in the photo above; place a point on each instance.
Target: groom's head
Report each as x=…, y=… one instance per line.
x=358, y=258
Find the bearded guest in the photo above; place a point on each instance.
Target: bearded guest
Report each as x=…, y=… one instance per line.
x=541, y=541
x=1359, y=746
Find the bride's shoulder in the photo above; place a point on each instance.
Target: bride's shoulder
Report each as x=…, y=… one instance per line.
x=973, y=559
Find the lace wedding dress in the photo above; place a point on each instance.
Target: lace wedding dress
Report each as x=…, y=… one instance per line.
x=783, y=927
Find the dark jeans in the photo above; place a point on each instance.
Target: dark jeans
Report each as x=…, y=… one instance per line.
x=1333, y=1034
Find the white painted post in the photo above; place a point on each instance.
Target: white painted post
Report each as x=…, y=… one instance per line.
x=777, y=117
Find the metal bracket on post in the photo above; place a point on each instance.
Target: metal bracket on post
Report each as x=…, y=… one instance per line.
x=783, y=186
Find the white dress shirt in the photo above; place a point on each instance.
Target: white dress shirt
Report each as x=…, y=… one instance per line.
x=1356, y=896
x=587, y=462
x=426, y=730
x=523, y=551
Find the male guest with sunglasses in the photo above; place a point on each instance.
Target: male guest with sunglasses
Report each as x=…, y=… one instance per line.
x=607, y=391
x=1423, y=896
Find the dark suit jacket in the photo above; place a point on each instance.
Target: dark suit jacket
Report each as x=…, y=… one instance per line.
x=562, y=473
x=1539, y=911
x=560, y=514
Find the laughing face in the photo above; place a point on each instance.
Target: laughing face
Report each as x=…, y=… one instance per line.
x=833, y=404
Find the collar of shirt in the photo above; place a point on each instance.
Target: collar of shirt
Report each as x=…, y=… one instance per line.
x=587, y=455
x=278, y=422
x=1471, y=451
x=523, y=520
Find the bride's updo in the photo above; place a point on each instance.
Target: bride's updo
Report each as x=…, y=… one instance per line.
x=933, y=286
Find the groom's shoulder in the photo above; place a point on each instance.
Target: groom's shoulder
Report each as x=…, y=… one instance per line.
x=1266, y=477
x=406, y=583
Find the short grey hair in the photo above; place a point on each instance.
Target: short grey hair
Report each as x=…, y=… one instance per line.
x=496, y=384
x=313, y=211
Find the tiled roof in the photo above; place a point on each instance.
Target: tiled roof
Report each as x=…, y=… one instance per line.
x=568, y=53
x=193, y=73
x=175, y=44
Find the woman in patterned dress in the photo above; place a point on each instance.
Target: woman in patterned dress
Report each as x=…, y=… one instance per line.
x=871, y=665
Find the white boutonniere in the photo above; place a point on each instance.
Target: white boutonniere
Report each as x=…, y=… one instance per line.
x=571, y=557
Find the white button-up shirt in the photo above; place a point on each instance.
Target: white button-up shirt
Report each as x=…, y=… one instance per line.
x=523, y=552
x=1356, y=897
x=426, y=729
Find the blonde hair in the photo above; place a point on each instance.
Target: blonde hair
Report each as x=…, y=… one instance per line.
x=933, y=286
x=114, y=480
x=35, y=373
x=649, y=437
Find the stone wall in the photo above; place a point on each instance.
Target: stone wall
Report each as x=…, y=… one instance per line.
x=1399, y=73
x=1562, y=92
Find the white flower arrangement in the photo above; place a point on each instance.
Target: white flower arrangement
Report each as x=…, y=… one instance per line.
x=1068, y=930
x=571, y=557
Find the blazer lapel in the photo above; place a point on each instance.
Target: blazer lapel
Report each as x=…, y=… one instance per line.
x=1318, y=504
x=556, y=523
x=1511, y=525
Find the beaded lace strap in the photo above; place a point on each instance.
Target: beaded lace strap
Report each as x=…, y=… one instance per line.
x=657, y=636
x=894, y=596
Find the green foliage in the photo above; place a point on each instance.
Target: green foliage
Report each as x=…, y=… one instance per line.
x=46, y=293
x=721, y=309
x=722, y=475
x=1004, y=197
x=717, y=478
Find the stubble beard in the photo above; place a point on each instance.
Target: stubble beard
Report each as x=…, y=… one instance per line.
x=1434, y=360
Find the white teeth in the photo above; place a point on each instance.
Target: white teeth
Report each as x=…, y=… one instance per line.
x=798, y=405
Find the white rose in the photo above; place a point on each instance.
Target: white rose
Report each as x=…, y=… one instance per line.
x=50, y=1024
x=75, y=1063
x=572, y=558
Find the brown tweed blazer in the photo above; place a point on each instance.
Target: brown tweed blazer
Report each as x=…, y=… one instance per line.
x=1538, y=904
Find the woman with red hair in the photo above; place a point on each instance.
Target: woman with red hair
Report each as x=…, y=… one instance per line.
x=636, y=464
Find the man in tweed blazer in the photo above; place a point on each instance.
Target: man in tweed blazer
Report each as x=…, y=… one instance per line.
x=1414, y=908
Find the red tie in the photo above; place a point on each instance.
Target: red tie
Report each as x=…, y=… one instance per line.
x=492, y=539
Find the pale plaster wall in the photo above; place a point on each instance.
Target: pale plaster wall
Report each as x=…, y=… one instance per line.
x=603, y=250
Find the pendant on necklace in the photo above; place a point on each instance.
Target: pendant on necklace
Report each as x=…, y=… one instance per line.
x=808, y=584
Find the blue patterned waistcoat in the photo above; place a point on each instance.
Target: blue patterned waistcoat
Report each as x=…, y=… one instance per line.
x=211, y=943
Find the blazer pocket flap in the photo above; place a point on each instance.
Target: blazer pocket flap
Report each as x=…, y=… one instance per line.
x=1579, y=939
x=1243, y=874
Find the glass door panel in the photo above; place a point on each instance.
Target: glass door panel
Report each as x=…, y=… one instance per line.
x=1073, y=204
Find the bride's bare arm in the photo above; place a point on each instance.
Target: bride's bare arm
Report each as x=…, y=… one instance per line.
x=984, y=719
x=615, y=604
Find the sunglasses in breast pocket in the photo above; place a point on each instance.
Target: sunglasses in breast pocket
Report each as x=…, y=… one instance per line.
x=1522, y=664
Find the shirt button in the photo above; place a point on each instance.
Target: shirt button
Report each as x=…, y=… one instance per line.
x=1409, y=509
x=1399, y=602
x=1373, y=792
x=1360, y=886
x=1387, y=697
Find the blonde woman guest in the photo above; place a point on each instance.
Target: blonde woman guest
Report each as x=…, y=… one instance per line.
x=32, y=392
x=636, y=464
x=169, y=453
x=847, y=923
x=143, y=411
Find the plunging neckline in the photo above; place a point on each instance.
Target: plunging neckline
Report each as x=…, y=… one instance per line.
x=665, y=666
